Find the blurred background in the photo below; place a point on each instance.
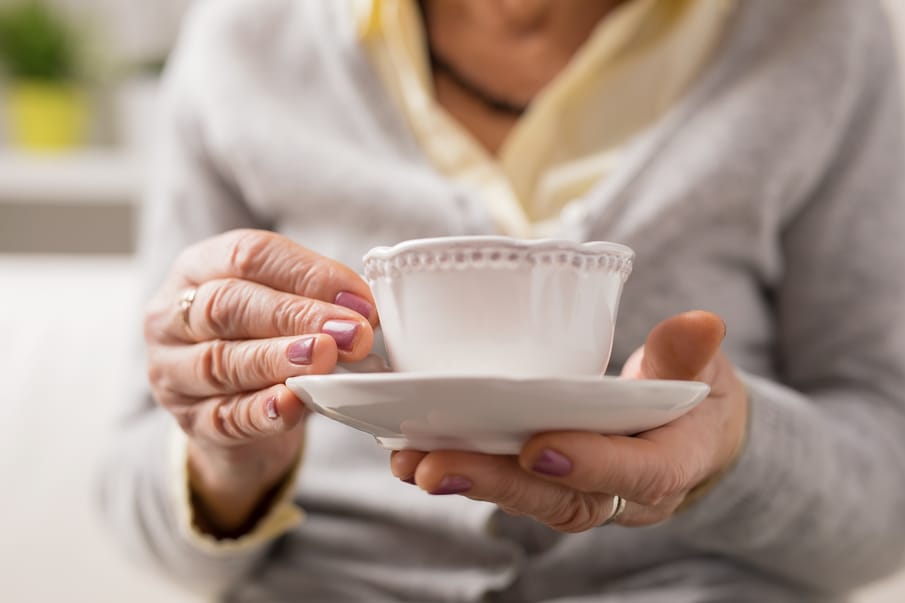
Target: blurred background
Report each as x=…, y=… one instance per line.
x=76, y=100
x=78, y=82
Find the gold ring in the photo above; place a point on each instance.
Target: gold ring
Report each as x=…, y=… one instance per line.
x=618, y=509
x=185, y=308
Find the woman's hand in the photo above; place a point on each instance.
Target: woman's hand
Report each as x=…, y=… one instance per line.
x=264, y=310
x=567, y=480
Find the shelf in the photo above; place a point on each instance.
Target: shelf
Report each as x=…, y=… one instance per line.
x=84, y=177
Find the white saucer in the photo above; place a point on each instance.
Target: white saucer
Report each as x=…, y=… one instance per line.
x=494, y=415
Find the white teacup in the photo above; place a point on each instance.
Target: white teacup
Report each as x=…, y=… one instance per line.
x=498, y=306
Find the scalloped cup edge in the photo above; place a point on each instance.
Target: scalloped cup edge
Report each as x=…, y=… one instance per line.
x=444, y=253
x=387, y=252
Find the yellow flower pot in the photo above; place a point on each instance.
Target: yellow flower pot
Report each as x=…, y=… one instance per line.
x=46, y=116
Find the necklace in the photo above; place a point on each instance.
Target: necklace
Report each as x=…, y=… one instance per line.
x=492, y=102
x=439, y=64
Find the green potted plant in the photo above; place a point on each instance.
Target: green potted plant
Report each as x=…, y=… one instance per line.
x=46, y=106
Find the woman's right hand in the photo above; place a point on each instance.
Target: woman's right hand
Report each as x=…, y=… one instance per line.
x=264, y=309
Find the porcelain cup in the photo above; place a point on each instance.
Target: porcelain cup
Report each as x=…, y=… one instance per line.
x=497, y=305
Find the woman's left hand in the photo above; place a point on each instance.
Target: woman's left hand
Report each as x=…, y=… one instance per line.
x=568, y=479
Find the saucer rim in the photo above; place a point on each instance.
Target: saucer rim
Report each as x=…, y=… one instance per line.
x=503, y=442
x=424, y=377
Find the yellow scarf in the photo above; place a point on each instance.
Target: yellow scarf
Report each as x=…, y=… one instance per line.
x=636, y=64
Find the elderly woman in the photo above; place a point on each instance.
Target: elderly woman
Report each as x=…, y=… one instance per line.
x=749, y=151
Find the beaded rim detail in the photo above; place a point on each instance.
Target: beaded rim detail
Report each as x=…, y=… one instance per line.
x=450, y=254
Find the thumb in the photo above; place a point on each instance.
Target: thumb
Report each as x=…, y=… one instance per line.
x=682, y=346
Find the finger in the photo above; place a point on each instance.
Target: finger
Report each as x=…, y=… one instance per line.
x=277, y=262
x=682, y=346
x=237, y=309
x=632, y=367
x=220, y=367
x=500, y=480
x=242, y=418
x=403, y=464
x=643, y=470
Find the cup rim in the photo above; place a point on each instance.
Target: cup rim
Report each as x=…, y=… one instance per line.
x=590, y=247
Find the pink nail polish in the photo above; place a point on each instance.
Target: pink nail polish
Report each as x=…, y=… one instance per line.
x=342, y=331
x=552, y=463
x=270, y=407
x=354, y=302
x=301, y=352
x=453, y=484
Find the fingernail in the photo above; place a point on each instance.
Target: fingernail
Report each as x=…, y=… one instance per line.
x=354, y=302
x=552, y=463
x=270, y=407
x=725, y=329
x=301, y=351
x=453, y=484
x=342, y=331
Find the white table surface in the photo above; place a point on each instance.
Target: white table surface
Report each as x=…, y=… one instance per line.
x=63, y=325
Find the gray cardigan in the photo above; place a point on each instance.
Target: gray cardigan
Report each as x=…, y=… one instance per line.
x=772, y=194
